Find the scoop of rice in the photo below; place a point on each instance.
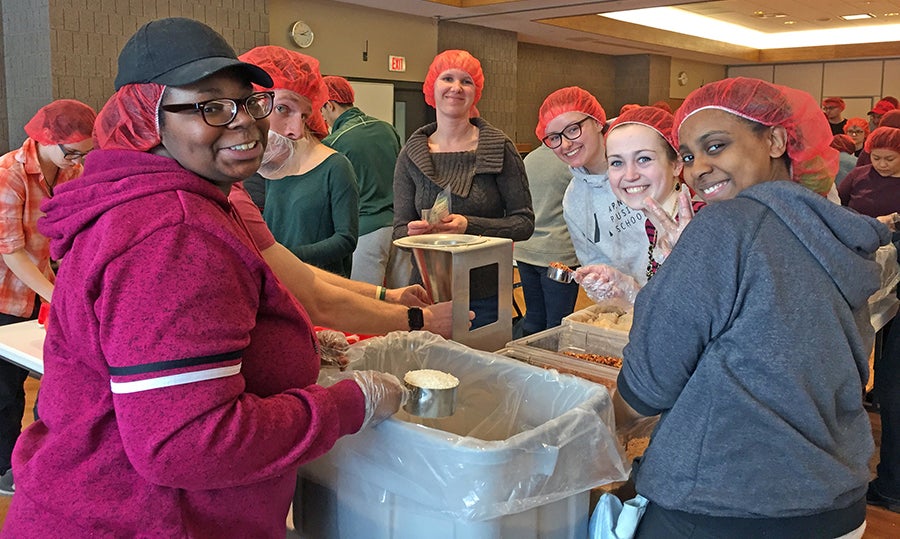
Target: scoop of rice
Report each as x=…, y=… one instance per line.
x=431, y=379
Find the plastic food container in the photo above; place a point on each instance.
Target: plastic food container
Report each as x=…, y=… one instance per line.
x=546, y=349
x=599, y=374
x=517, y=459
x=587, y=319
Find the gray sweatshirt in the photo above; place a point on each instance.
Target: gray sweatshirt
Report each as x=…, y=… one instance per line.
x=752, y=341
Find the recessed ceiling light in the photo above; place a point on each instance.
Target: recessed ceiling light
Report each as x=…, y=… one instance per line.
x=679, y=20
x=892, y=14
x=790, y=22
x=857, y=17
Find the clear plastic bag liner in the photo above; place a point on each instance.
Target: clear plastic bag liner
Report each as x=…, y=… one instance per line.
x=521, y=436
x=886, y=256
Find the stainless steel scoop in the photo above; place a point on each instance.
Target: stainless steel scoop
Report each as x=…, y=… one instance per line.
x=561, y=274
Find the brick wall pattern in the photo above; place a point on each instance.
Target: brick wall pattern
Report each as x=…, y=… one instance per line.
x=68, y=49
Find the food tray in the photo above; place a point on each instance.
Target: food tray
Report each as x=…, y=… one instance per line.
x=585, y=318
x=592, y=372
x=546, y=349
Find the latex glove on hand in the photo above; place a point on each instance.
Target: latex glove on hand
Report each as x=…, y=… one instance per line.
x=333, y=347
x=281, y=157
x=384, y=395
x=668, y=230
x=605, y=284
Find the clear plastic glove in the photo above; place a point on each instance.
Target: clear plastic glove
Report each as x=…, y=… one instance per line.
x=333, y=347
x=668, y=230
x=281, y=157
x=384, y=395
x=604, y=283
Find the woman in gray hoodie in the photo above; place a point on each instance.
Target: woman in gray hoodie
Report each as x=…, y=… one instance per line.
x=758, y=366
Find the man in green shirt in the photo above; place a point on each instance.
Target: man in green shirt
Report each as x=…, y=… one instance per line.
x=372, y=146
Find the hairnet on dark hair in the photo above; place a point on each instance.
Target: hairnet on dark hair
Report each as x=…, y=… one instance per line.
x=814, y=162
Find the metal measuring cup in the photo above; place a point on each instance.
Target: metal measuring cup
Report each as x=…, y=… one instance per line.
x=560, y=273
x=430, y=402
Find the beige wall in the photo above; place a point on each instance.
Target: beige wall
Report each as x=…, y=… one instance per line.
x=543, y=70
x=341, y=32
x=496, y=50
x=861, y=83
x=698, y=74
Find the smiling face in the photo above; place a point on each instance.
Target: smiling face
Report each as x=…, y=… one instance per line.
x=289, y=114
x=724, y=154
x=223, y=155
x=641, y=165
x=587, y=150
x=886, y=162
x=454, y=93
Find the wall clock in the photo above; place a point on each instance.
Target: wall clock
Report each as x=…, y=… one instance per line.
x=302, y=34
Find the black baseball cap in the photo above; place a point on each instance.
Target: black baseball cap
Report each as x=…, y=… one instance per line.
x=178, y=51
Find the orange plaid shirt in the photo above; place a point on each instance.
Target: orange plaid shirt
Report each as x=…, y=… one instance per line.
x=22, y=189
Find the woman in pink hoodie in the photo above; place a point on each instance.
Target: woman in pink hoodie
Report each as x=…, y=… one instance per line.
x=179, y=392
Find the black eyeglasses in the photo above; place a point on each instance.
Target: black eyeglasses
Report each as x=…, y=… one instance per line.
x=855, y=131
x=71, y=155
x=571, y=132
x=219, y=112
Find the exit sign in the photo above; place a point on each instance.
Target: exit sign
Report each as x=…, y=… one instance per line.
x=397, y=63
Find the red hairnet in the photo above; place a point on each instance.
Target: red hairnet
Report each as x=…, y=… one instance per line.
x=882, y=107
x=843, y=143
x=834, y=102
x=628, y=106
x=569, y=99
x=887, y=138
x=453, y=59
x=653, y=117
x=129, y=119
x=664, y=105
x=317, y=125
x=292, y=71
x=814, y=162
x=339, y=89
x=64, y=121
x=857, y=122
x=890, y=119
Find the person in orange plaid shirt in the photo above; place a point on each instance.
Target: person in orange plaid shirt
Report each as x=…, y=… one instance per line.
x=59, y=136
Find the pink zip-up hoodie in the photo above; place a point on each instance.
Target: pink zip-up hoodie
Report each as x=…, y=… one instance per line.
x=179, y=392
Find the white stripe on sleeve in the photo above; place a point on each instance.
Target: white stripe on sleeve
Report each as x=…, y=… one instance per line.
x=174, y=379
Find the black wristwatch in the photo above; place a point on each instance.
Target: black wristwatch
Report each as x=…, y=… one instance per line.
x=416, y=320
